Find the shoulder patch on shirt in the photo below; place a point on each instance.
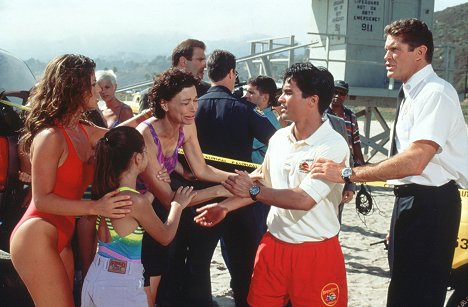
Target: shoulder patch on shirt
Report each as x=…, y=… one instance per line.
x=305, y=165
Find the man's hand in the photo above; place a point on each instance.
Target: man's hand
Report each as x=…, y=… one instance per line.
x=239, y=184
x=210, y=215
x=327, y=170
x=347, y=196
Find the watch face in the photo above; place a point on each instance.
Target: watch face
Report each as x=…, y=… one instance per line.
x=346, y=172
x=254, y=190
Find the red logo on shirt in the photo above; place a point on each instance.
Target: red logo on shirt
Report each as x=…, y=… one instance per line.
x=304, y=165
x=330, y=293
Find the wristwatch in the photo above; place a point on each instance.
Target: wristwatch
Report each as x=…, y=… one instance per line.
x=346, y=173
x=253, y=191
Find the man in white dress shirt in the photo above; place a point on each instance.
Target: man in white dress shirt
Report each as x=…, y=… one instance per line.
x=431, y=143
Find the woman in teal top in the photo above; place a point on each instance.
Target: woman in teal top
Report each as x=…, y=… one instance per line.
x=115, y=277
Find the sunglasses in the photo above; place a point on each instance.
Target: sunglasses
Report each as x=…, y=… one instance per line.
x=340, y=92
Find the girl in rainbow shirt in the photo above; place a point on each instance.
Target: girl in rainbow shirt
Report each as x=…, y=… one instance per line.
x=115, y=277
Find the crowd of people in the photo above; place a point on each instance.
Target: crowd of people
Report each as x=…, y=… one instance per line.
x=155, y=216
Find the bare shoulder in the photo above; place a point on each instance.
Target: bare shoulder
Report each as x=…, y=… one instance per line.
x=189, y=132
x=143, y=127
x=126, y=108
x=127, y=111
x=94, y=132
x=49, y=136
x=140, y=203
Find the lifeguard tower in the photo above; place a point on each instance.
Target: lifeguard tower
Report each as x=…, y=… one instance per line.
x=346, y=36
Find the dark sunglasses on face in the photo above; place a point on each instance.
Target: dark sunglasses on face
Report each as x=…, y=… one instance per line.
x=341, y=92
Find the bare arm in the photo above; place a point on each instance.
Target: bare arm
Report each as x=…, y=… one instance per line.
x=294, y=198
x=49, y=150
x=95, y=133
x=357, y=154
x=126, y=113
x=161, y=189
x=195, y=159
x=212, y=214
x=162, y=232
x=410, y=162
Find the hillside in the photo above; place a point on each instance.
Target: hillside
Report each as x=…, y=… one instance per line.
x=451, y=28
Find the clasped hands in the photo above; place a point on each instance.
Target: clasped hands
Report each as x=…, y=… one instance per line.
x=238, y=185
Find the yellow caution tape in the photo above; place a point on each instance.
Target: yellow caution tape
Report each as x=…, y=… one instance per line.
x=381, y=184
x=226, y=160
x=12, y=104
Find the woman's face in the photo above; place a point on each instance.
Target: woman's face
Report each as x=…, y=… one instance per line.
x=183, y=106
x=106, y=90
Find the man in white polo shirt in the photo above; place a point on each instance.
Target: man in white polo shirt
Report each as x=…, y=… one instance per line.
x=299, y=258
x=431, y=154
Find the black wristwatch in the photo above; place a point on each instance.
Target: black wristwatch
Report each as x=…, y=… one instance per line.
x=346, y=174
x=253, y=191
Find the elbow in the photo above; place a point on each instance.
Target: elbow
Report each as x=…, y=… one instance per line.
x=308, y=203
x=166, y=241
x=416, y=169
x=39, y=203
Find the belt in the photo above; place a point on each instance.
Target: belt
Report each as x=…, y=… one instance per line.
x=116, y=266
x=413, y=188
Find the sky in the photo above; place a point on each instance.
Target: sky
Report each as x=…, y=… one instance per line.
x=43, y=29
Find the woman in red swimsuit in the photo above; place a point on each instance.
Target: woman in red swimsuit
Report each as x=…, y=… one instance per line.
x=61, y=150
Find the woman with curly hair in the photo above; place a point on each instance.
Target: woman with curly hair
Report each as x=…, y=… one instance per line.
x=173, y=101
x=61, y=148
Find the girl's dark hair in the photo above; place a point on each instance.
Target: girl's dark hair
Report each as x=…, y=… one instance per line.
x=166, y=86
x=113, y=154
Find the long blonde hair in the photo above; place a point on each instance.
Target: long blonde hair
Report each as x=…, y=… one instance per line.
x=55, y=100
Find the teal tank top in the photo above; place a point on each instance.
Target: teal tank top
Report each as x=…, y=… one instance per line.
x=126, y=248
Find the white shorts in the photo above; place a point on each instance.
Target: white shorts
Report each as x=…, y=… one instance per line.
x=122, y=287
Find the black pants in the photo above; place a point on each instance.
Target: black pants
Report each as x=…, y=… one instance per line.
x=238, y=231
x=423, y=237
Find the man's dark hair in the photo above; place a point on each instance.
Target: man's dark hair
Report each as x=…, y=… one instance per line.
x=219, y=64
x=312, y=80
x=413, y=32
x=265, y=85
x=166, y=86
x=185, y=49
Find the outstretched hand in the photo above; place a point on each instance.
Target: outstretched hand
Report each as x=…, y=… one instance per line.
x=239, y=184
x=210, y=215
x=327, y=170
x=113, y=205
x=184, y=196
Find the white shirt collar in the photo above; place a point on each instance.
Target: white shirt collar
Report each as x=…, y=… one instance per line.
x=416, y=79
x=320, y=133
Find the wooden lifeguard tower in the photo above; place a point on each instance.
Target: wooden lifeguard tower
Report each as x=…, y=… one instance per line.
x=346, y=36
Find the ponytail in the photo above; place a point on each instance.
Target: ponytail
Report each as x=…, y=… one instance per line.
x=113, y=154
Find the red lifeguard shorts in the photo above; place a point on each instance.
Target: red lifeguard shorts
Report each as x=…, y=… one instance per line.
x=308, y=274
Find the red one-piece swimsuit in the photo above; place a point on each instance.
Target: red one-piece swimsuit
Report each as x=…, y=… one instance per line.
x=72, y=179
